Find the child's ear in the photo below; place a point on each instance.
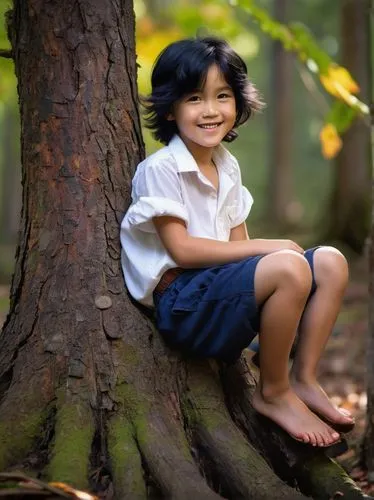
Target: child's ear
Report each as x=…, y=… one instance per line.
x=170, y=117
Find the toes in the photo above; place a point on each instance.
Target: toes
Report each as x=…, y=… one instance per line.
x=313, y=439
x=335, y=436
x=346, y=414
x=332, y=437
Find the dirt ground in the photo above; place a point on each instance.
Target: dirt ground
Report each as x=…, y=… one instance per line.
x=343, y=366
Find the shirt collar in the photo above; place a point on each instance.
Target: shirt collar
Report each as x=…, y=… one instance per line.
x=186, y=162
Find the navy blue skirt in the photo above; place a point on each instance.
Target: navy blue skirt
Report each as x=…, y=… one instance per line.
x=212, y=312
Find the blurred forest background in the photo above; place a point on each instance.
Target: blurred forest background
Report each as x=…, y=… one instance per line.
x=303, y=189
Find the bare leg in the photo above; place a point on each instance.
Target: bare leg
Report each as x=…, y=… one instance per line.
x=331, y=275
x=282, y=284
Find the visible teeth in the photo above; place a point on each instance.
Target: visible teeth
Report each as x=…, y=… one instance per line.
x=209, y=126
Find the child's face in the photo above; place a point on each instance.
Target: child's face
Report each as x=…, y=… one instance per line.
x=205, y=116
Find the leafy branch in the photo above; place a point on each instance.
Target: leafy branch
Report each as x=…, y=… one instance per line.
x=335, y=79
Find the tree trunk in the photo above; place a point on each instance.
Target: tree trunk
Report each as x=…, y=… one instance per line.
x=350, y=208
x=11, y=178
x=280, y=161
x=87, y=388
x=368, y=444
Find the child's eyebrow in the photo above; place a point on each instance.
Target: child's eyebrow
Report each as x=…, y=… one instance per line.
x=226, y=87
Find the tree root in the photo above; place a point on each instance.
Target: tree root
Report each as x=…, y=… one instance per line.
x=324, y=479
x=168, y=458
x=24, y=409
x=74, y=431
x=18, y=432
x=314, y=472
x=126, y=464
x=242, y=471
x=161, y=443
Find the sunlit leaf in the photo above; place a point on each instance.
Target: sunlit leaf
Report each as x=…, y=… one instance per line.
x=82, y=495
x=330, y=141
x=342, y=76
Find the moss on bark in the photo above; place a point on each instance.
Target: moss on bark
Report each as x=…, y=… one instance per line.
x=74, y=431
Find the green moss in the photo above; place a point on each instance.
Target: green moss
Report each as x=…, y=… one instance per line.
x=322, y=477
x=72, y=446
x=18, y=434
x=126, y=460
x=127, y=355
x=200, y=406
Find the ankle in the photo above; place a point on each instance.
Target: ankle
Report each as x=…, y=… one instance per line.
x=271, y=392
x=303, y=378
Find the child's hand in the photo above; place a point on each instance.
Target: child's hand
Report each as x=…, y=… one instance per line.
x=276, y=245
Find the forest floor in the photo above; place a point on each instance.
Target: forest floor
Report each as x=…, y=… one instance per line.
x=343, y=367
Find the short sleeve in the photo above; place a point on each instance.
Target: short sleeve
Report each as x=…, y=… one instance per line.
x=156, y=192
x=243, y=206
x=241, y=199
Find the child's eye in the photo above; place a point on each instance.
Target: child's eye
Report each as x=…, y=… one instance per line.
x=193, y=98
x=224, y=95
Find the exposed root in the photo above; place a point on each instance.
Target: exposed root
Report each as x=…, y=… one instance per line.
x=18, y=432
x=242, y=471
x=23, y=411
x=168, y=458
x=323, y=478
x=126, y=461
x=74, y=431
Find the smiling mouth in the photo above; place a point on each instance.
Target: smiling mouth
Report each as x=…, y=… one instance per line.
x=210, y=125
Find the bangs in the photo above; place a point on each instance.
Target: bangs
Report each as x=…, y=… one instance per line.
x=190, y=73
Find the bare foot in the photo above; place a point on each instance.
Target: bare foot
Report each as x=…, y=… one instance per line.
x=317, y=400
x=290, y=413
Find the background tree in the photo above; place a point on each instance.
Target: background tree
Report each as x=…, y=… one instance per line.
x=280, y=182
x=11, y=174
x=368, y=443
x=349, y=214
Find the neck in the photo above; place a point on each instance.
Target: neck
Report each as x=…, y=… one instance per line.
x=202, y=155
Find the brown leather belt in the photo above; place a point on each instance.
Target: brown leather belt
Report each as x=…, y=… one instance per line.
x=167, y=279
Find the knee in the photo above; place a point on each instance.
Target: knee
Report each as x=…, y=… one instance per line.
x=330, y=266
x=292, y=270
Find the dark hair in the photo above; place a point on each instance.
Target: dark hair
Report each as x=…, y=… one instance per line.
x=181, y=68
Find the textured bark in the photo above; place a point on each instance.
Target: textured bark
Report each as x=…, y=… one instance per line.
x=350, y=208
x=86, y=384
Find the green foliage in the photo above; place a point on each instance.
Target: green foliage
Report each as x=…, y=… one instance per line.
x=341, y=115
x=336, y=80
x=8, y=82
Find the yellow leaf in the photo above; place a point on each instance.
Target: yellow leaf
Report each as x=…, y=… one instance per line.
x=342, y=76
x=339, y=83
x=78, y=494
x=330, y=141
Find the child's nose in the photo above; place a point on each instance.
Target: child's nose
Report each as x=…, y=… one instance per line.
x=210, y=109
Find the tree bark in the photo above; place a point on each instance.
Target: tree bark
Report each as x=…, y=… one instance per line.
x=350, y=207
x=87, y=388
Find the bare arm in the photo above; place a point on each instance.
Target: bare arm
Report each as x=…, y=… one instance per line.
x=191, y=252
x=239, y=233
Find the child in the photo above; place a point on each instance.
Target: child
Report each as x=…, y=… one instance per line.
x=186, y=250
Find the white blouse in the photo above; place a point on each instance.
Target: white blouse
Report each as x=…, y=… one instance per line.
x=170, y=183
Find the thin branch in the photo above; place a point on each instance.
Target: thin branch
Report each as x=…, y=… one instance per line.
x=6, y=53
x=311, y=87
